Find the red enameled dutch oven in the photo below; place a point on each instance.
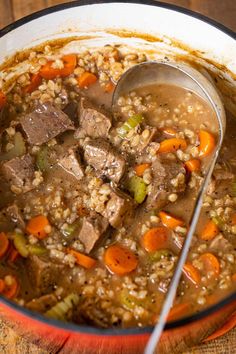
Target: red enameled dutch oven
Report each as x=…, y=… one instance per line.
x=168, y=30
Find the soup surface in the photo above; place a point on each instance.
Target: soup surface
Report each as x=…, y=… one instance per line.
x=95, y=204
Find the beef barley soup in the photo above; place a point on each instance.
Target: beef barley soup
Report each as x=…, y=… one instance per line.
x=95, y=205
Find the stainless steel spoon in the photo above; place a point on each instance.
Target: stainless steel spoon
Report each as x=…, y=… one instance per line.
x=154, y=72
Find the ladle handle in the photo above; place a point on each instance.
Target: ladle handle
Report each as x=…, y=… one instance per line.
x=159, y=327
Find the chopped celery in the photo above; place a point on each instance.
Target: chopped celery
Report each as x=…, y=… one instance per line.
x=42, y=159
x=130, y=124
x=130, y=302
x=138, y=188
x=158, y=255
x=37, y=250
x=18, y=149
x=60, y=310
x=20, y=244
x=71, y=228
x=219, y=222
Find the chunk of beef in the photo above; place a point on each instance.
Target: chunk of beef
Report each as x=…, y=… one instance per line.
x=118, y=208
x=45, y=123
x=164, y=171
x=15, y=215
x=94, y=122
x=221, y=243
x=221, y=182
x=105, y=159
x=71, y=163
x=19, y=172
x=43, y=303
x=44, y=273
x=92, y=230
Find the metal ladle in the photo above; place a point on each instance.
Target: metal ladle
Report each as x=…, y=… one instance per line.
x=178, y=74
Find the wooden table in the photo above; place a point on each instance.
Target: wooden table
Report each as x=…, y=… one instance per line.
x=223, y=11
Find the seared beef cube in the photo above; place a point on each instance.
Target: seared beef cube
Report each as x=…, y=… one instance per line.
x=119, y=206
x=164, y=171
x=94, y=122
x=45, y=123
x=72, y=164
x=105, y=159
x=43, y=303
x=19, y=172
x=92, y=230
x=15, y=215
x=44, y=274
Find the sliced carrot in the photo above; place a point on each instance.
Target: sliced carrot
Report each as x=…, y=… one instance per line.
x=82, y=259
x=178, y=311
x=86, y=79
x=172, y=145
x=234, y=277
x=4, y=244
x=11, y=290
x=207, y=143
x=193, y=165
x=13, y=255
x=230, y=324
x=2, y=285
x=35, y=81
x=139, y=169
x=209, y=231
x=210, y=263
x=109, y=87
x=120, y=260
x=49, y=72
x=155, y=239
x=3, y=99
x=192, y=273
x=233, y=219
x=169, y=220
x=169, y=131
x=70, y=62
x=36, y=226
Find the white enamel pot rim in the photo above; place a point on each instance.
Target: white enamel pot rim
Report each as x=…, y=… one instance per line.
x=11, y=30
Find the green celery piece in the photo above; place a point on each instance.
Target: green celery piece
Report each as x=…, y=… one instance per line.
x=130, y=124
x=20, y=241
x=138, y=188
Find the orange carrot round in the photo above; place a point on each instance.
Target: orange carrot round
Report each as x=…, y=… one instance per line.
x=10, y=291
x=35, y=81
x=86, y=79
x=233, y=219
x=193, y=165
x=36, y=226
x=169, y=220
x=210, y=263
x=3, y=99
x=109, y=87
x=120, y=260
x=49, y=72
x=207, y=143
x=209, y=231
x=155, y=239
x=192, y=273
x=172, y=145
x=4, y=244
x=178, y=311
x=82, y=259
x=139, y=169
x=169, y=131
x=234, y=277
